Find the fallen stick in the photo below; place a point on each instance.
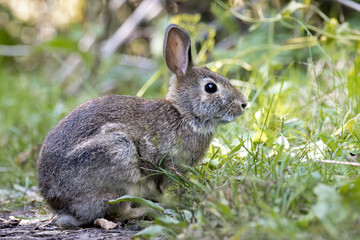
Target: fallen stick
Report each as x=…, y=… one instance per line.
x=350, y=4
x=339, y=162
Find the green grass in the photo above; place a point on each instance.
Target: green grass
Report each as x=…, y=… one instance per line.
x=31, y=105
x=263, y=177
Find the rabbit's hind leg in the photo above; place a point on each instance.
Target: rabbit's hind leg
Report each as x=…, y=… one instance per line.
x=124, y=211
x=81, y=214
x=65, y=221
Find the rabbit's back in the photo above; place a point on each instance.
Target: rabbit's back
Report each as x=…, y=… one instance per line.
x=107, y=114
x=102, y=118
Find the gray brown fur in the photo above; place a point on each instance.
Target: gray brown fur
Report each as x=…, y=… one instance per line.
x=100, y=151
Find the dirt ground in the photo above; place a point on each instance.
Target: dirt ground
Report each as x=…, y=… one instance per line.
x=25, y=224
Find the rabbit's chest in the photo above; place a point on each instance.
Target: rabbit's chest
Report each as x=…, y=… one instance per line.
x=164, y=151
x=174, y=151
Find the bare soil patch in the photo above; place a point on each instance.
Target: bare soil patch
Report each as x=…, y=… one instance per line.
x=22, y=224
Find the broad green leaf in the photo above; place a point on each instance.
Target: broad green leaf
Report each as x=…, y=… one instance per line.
x=139, y=200
x=169, y=221
x=151, y=231
x=329, y=207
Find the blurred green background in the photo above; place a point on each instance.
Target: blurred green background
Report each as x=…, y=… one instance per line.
x=298, y=62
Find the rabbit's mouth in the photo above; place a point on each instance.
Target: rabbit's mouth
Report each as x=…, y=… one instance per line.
x=235, y=109
x=229, y=118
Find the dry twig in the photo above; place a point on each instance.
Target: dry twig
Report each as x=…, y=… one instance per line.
x=350, y=4
x=339, y=162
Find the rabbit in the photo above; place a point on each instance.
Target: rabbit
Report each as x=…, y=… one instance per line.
x=110, y=146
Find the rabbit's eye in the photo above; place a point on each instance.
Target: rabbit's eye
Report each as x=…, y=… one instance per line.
x=210, y=88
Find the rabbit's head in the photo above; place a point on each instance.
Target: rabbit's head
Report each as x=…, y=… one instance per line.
x=205, y=98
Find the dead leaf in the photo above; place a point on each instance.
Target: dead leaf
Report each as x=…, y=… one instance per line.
x=105, y=224
x=9, y=223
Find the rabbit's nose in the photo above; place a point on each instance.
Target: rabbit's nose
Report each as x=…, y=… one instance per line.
x=242, y=102
x=240, y=105
x=244, y=105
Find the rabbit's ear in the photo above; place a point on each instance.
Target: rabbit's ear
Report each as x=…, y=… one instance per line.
x=177, y=52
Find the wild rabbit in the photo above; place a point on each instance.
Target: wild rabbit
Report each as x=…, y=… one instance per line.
x=105, y=147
